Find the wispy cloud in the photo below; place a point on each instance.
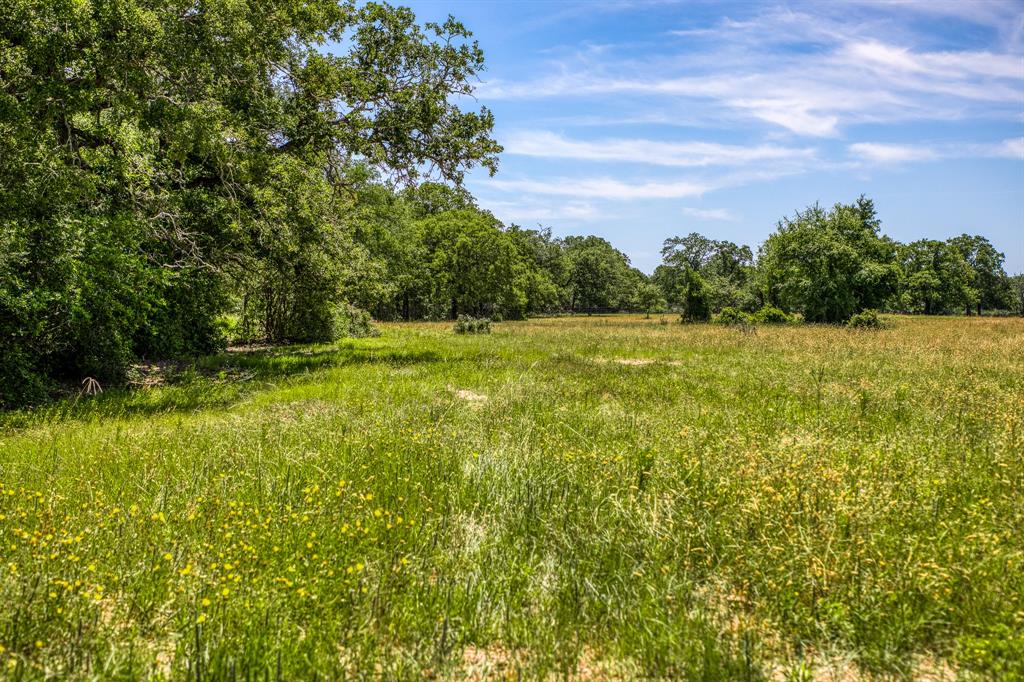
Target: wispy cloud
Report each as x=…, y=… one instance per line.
x=532, y=211
x=547, y=144
x=709, y=213
x=891, y=153
x=886, y=153
x=603, y=188
x=845, y=73
x=611, y=189
x=1003, y=17
x=1011, y=149
x=937, y=65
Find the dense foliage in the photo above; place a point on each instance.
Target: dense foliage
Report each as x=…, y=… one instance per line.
x=830, y=264
x=164, y=162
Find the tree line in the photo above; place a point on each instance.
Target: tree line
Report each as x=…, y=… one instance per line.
x=451, y=258
x=175, y=175
x=829, y=264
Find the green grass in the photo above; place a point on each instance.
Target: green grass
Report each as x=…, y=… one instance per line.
x=728, y=505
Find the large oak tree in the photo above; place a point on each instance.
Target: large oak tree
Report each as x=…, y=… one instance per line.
x=150, y=150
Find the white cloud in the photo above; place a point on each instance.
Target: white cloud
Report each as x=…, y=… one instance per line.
x=891, y=153
x=849, y=70
x=885, y=153
x=1004, y=16
x=793, y=115
x=709, y=213
x=856, y=63
x=939, y=65
x=547, y=144
x=603, y=188
x=529, y=212
x=612, y=189
x=1012, y=148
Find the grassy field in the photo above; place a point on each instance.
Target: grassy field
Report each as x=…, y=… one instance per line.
x=595, y=498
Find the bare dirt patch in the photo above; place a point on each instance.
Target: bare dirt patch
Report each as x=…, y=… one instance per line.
x=472, y=397
x=638, y=362
x=822, y=668
x=630, y=362
x=495, y=662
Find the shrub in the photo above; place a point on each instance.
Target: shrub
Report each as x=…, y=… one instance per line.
x=353, y=322
x=866, y=319
x=730, y=315
x=21, y=381
x=472, y=325
x=769, y=314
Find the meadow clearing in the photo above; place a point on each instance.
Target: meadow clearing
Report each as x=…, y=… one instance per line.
x=585, y=497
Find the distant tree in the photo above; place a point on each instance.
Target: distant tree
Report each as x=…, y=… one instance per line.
x=1017, y=293
x=725, y=267
x=990, y=282
x=473, y=266
x=667, y=279
x=694, y=297
x=391, y=279
x=829, y=264
x=938, y=279
x=729, y=261
x=692, y=251
x=597, y=274
x=431, y=198
x=291, y=275
x=545, y=267
x=728, y=272
x=626, y=294
x=649, y=298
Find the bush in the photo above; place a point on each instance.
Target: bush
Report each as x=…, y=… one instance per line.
x=769, y=314
x=21, y=381
x=353, y=322
x=731, y=315
x=866, y=319
x=472, y=325
x=184, y=321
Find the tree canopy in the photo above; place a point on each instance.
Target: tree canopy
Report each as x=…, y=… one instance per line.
x=159, y=158
x=828, y=264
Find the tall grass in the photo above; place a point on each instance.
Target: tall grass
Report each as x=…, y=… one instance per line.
x=594, y=498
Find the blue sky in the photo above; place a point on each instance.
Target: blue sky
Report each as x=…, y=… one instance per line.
x=638, y=120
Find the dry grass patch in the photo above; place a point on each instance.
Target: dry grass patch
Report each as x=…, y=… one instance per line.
x=472, y=397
